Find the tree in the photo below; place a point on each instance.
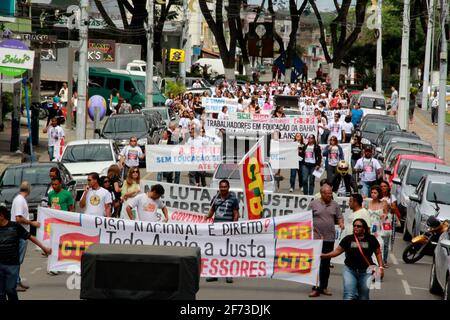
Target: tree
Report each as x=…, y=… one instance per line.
x=217, y=27
x=339, y=28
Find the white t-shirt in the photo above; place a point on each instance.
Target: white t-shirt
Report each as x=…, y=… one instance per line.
x=54, y=134
x=369, y=167
x=347, y=127
x=184, y=123
x=132, y=155
x=146, y=207
x=309, y=155
x=20, y=208
x=64, y=93
x=222, y=116
x=96, y=200
x=333, y=156
x=352, y=216
x=335, y=130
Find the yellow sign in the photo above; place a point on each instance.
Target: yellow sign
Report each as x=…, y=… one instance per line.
x=176, y=55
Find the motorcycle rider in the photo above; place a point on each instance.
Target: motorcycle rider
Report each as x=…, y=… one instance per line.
x=343, y=183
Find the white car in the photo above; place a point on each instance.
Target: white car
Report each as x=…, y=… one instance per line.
x=372, y=103
x=85, y=156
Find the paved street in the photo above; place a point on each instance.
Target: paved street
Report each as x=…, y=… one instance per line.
x=401, y=282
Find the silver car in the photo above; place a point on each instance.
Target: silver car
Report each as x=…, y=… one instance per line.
x=405, y=184
x=440, y=269
x=432, y=188
x=403, y=142
x=231, y=172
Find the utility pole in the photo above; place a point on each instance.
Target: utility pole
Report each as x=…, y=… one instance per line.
x=402, y=114
x=184, y=32
x=379, y=69
x=442, y=83
x=149, y=77
x=82, y=71
x=426, y=69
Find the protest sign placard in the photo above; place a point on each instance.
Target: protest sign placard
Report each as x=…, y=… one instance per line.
x=284, y=154
x=287, y=127
x=215, y=105
x=163, y=158
x=227, y=256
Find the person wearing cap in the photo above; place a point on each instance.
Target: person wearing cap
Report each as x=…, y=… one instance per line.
x=370, y=170
x=343, y=183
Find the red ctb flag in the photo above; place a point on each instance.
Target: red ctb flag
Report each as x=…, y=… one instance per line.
x=252, y=176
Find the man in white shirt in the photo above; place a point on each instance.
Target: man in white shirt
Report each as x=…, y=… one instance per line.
x=147, y=205
x=370, y=170
x=55, y=133
x=434, y=108
x=197, y=84
x=96, y=199
x=20, y=214
x=358, y=212
x=130, y=156
x=335, y=128
x=223, y=115
x=64, y=94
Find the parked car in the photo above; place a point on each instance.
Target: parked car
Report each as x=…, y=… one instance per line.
x=440, y=269
x=405, y=150
x=433, y=190
x=82, y=157
x=372, y=102
x=120, y=127
x=392, y=169
x=37, y=174
x=159, y=116
x=384, y=137
x=403, y=142
x=407, y=181
x=371, y=128
x=231, y=172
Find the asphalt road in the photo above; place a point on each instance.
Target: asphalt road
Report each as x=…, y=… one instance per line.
x=401, y=282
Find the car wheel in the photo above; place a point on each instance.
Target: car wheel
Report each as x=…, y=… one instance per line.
x=406, y=234
x=435, y=288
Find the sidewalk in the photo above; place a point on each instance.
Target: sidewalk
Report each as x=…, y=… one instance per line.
x=427, y=132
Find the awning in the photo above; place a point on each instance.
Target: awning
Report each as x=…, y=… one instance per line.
x=10, y=80
x=209, y=54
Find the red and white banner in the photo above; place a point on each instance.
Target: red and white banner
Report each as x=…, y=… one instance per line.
x=252, y=178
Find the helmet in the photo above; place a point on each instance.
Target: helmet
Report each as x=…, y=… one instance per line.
x=342, y=167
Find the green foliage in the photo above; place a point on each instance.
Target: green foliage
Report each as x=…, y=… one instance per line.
x=414, y=90
x=242, y=77
x=174, y=88
x=394, y=80
x=7, y=103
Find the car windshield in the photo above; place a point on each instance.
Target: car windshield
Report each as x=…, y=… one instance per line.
x=372, y=103
x=159, y=113
x=403, y=163
x=379, y=126
x=140, y=87
x=34, y=175
x=415, y=175
x=442, y=190
x=231, y=171
x=125, y=124
x=87, y=153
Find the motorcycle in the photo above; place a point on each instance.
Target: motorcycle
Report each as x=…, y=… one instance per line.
x=419, y=244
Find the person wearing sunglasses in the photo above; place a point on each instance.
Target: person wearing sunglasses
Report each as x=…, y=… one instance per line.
x=358, y=265
x=333, y=153
x=130, y=155
x=96, y=199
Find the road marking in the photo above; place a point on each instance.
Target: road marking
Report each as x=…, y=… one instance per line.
x=399, y=271
x=393, y=258
x=426, y=289
x=36, y=270
x=407, y=288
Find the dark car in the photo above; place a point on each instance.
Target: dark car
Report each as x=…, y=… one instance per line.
x=37, y=174
x=371, y=128
x=387, y=135
x=121, y=127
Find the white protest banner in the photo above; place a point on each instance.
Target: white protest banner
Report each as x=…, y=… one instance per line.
x=287, y=127
x=198, y=199
x=162, y=158
x=215, y=105
x=295, y=226
x=229, y=256
x=284, y=155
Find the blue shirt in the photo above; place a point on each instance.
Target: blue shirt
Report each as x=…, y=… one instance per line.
x=357, y=115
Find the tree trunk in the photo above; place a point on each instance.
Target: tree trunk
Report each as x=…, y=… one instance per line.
x=288, y=75
x=335, y=77
x=229, y=74
x=248, y=69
